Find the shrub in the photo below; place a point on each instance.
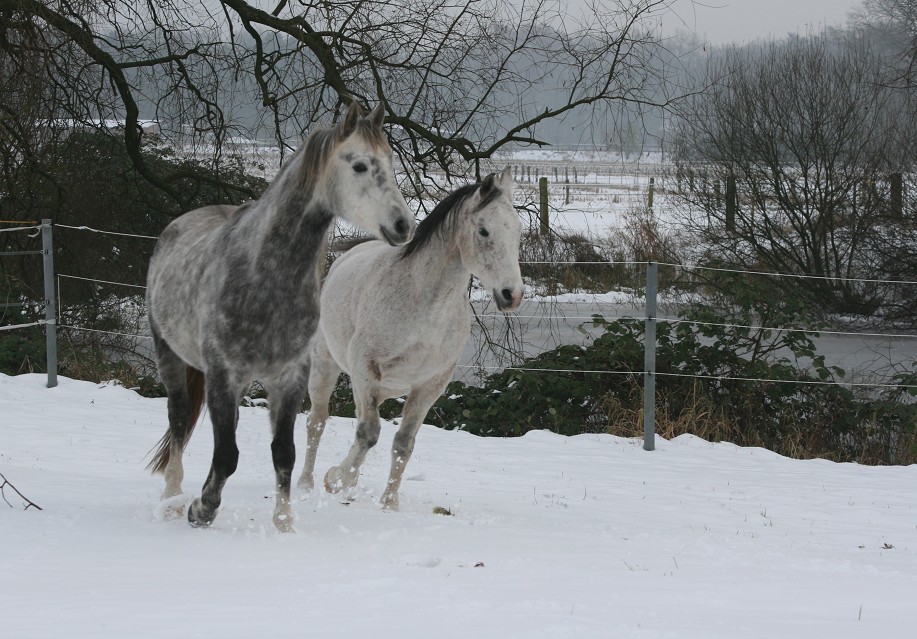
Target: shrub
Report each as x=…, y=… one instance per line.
x=707, y=385
x=557, y=263
x=22, y=350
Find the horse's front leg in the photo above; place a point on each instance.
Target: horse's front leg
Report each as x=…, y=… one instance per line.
x=223, y=396
x=418, y=403
x=323, y=374
x=366, y=396
x=284, y=408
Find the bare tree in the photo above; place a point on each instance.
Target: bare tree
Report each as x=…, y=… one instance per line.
x=893, y=24
x=785, y=161
x=460, y=78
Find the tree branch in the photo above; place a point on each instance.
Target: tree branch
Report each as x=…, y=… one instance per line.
x=28, y=502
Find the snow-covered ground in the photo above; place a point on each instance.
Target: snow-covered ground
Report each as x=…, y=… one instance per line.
x=588, y=536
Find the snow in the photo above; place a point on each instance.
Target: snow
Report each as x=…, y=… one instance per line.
x=586, y=154
x=587, y=536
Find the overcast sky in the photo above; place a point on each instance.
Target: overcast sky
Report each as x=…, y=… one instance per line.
x=722, y=21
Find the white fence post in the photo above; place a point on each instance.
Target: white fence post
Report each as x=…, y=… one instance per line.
x=47, y=252
x=649, y=360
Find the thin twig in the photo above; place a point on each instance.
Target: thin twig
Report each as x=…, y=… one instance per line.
x=28, y=502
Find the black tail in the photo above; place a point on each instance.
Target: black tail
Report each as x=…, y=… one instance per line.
x=194, y=380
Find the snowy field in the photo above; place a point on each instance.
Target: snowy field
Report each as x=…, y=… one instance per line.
x=608, y=185
x=588, y=536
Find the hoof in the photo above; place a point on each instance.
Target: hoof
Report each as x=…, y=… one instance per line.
x=305, y=485
x=284, y=522
x=333, y=481
x=170, y=509
x=389, y=501
x=336, y=481
x=199, y=516
x=173, y=512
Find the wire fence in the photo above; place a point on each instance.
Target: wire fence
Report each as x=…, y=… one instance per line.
x=598, y=303
x=35, y=229
x=554, y=322
x=32, y=230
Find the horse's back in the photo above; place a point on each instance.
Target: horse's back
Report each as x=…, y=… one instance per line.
x=181, y=275
x=362, y=256
x=361, y=269
x=375, y=308
x=194, y=225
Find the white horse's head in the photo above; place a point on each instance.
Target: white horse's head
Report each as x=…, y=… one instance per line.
x=489, y=239
x=361, y=178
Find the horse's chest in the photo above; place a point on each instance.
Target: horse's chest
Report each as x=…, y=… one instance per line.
x=426, y=355
x=269, y=333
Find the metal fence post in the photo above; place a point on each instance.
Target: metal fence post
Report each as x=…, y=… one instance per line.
x=649, y=360
x=47, y=253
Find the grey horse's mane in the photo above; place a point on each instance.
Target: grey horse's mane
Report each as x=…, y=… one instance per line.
x=433, y=225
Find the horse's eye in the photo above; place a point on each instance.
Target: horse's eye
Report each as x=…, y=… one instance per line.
x=360, y=167
x=483, y=232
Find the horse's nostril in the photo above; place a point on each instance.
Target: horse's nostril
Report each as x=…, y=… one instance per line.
x=401, y=227
x=507, y=294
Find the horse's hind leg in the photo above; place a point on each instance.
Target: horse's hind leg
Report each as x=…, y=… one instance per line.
x=323, y=375
x=184, y=388
x=285, y=403
x=223, y=396
x=418, y=403
x=366, y=396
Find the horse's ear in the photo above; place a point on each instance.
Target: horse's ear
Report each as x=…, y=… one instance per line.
x=353, y=115
x=506, y=178
x=488, y=184
x=377, y=117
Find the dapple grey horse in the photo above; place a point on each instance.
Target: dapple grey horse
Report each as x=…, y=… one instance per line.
x=396, y=320
x=233, y=296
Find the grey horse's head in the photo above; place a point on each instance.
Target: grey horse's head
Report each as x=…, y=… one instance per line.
x=359, y=181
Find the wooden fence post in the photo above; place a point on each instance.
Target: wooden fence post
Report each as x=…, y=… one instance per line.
x=896, y=197
x=545, y=228
x=731, y=203
x=567, y=187
x=649, y=194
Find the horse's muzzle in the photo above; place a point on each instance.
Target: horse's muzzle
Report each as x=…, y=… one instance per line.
x=399, y=233
x=507, y=299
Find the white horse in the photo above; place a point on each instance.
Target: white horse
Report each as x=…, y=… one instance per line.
x=396, y=319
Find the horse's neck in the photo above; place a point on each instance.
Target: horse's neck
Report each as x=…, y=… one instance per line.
x=438, y=267
x=289, y=227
